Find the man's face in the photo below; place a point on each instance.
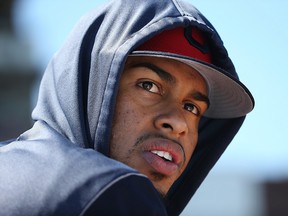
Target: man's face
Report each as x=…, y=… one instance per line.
x=158, y=108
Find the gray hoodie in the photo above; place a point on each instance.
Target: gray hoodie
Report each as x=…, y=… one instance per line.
x=61, y=166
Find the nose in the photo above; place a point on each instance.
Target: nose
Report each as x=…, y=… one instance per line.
x=171, y=121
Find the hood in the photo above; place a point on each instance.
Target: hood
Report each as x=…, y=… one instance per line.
x=78, y=90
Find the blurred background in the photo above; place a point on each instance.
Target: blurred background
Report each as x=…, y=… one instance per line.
x=251, y=178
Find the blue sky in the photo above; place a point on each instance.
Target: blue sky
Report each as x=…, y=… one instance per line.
x=255, y=34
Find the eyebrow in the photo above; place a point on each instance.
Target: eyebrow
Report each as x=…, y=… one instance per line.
x=160, y=72
x=201, y=97
x=171, y=79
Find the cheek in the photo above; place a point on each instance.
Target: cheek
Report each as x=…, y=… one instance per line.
x=128, y=112
x=125, y=118
x=190, y=148
x=126, y=129
x=126, y=122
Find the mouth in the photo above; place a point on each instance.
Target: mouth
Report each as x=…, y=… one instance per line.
x=164, y=156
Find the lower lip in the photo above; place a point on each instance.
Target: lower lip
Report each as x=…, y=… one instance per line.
x=160, y=165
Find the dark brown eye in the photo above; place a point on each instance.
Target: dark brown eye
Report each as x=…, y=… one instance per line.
x=149, y=86
x=191, y=108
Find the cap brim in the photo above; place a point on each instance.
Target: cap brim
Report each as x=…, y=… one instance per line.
x=229, y=98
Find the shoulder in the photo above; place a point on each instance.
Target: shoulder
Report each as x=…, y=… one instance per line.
x=51, y=178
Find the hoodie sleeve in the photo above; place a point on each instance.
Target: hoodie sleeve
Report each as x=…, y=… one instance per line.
x=133, y=195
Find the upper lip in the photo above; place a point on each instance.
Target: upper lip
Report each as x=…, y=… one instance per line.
x=174, y=148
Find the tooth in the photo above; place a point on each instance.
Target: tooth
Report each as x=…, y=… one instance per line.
x=168, y=156
x=161, y=153
x=156, y=152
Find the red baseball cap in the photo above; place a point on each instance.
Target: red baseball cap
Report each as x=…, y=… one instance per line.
x=229, y=98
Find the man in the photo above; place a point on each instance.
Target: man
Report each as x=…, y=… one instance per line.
x=133, y=112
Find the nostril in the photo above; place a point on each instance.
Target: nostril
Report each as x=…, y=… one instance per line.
x=165, y=125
